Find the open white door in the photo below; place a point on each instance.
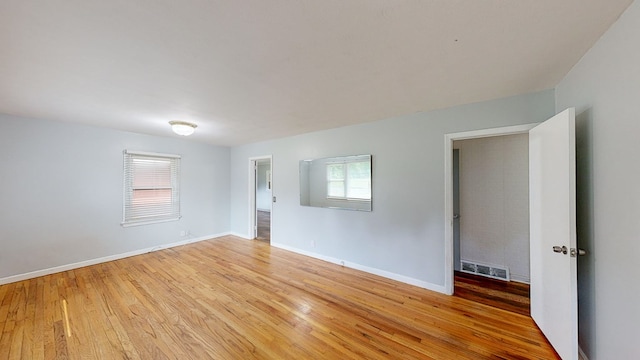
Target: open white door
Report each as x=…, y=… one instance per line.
x=552, y=195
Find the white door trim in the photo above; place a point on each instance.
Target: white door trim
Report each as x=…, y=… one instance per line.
x=448, y=188
x=252, y=193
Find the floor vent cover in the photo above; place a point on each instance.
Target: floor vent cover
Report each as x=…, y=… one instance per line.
x=492, y=271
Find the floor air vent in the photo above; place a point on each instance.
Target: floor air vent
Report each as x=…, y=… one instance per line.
x=492, y=271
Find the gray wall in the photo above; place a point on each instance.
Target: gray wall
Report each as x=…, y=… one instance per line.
x=404, y=235
x=61, y=190
x=494, y=202
x=605, y=89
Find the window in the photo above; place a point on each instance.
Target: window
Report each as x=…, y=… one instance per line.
x=349, y=180
x=151, y=191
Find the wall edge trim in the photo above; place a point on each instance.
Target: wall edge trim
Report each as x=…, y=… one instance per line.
x=77, y=265
x=581, y=354
x=367, y=269
x=242, y=236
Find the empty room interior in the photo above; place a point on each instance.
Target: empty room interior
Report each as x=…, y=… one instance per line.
x=393, y=179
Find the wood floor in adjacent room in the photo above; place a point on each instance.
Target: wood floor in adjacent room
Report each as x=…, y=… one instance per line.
x=230, y=298
x=264, y=225
x=507, y=295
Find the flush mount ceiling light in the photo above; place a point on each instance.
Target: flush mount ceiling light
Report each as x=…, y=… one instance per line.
x=182, y=127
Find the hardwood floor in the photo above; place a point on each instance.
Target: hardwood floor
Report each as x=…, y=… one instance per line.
x=264, y=225
x=230, y=298
x=506, y=295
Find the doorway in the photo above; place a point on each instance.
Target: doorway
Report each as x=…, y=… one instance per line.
x=261, y=198
x=491, y=221
x=451, y=254
x=552, y=224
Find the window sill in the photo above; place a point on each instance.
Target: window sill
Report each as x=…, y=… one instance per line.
x=148, y=222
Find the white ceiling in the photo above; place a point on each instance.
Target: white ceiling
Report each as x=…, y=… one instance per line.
x=250, y=70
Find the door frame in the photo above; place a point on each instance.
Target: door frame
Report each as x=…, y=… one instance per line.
x=448, y=188
x=253, y=221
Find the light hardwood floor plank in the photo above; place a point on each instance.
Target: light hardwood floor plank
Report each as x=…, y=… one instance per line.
x=230, y=298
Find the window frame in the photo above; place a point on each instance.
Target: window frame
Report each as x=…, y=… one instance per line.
x=170, y=210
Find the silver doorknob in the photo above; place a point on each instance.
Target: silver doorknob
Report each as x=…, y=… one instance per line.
x=456, y=216
x=560, y=249
x=577, y=252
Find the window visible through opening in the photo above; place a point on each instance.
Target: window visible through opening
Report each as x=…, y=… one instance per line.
x=349, y=180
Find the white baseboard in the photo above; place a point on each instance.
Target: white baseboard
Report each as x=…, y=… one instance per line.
x=61, y=268
x=243, y=236
x=383, y=273
x=581, y=354
x=520, y=279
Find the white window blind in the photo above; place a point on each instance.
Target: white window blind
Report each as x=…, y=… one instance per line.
x=151, y=189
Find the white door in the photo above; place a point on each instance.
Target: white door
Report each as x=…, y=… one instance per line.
x=552, y=192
